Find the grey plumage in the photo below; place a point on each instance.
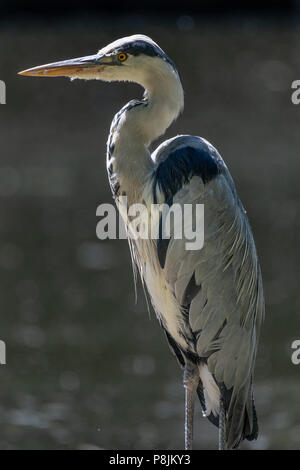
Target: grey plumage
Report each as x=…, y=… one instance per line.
x=225, y=314
x=221, y=320
x=209, y=302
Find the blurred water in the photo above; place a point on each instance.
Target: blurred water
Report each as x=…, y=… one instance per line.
x=86, y=367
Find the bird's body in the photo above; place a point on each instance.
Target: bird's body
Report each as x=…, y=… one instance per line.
x=208, y=301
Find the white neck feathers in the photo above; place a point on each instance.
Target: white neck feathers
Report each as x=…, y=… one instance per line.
x=135, y=127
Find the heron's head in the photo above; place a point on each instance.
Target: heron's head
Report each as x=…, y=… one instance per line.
x=134, y=58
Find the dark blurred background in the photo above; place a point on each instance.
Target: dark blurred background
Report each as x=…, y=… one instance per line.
x=86, y=367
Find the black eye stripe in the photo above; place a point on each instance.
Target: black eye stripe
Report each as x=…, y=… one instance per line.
x=139, y=47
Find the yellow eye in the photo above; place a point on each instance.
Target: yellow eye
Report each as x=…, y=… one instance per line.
x=122, y=56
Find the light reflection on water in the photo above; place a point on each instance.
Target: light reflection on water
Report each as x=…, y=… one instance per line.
x=64, y=424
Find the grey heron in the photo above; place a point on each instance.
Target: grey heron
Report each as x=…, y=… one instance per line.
x=209, y=302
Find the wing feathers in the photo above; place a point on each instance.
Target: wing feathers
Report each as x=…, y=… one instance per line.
x=223, y=280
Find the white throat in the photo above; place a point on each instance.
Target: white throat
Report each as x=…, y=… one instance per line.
x=141, y=122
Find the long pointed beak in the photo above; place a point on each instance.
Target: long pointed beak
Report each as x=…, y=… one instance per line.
x=67, y=68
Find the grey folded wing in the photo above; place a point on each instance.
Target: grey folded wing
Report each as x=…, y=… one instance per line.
x=219, y=287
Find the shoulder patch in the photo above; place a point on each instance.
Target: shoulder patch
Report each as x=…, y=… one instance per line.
x=180, y=166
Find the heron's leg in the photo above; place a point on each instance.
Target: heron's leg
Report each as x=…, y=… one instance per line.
x=222, y=425
x=190, y=381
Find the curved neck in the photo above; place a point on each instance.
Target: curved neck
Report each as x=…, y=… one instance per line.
x=138, y=124
x=165, y=99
